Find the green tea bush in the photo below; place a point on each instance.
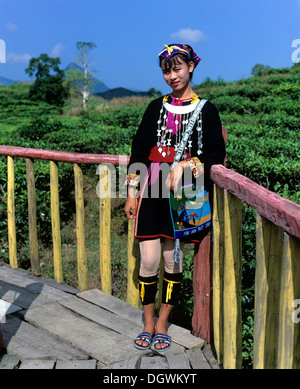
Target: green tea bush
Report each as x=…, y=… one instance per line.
x=42, y=184
x=38, y=128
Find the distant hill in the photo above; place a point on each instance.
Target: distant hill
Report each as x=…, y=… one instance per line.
x=119, y=92
x=6, y=81
x=96, y=86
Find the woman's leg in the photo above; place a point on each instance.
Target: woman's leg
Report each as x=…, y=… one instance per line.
x=171, y=287
x=150, y=259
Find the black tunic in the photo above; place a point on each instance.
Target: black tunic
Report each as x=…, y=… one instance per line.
x=153, y=214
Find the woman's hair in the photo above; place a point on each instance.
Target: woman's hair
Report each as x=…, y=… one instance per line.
x=168, y=64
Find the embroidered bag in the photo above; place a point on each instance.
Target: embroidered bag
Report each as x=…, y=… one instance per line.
x=190, y=211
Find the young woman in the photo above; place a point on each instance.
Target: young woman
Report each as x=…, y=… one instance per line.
x=154, y=143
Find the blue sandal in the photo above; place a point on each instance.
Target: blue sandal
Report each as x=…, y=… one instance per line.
x=145, y=337
x=161, y=338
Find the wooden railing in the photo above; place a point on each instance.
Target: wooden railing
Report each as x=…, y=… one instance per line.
x=104, y=210
x=217, y=265
x=277, y=278
x=201, y=327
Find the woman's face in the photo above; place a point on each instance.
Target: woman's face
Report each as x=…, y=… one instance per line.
x=177, y=76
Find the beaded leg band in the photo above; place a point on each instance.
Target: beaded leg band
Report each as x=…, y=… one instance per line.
x=148, y=288
x=171, y=288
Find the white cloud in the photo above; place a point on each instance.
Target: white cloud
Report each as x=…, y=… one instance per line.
x=11, y=26
x=57, y=50
x=18, y=58
x=187, y=35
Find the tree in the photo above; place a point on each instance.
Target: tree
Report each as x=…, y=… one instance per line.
x=152, y=92
x=83, y=78
x=48, y=85
x=259, y=69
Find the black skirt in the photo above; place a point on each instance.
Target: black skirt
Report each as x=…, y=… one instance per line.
x=153, y=219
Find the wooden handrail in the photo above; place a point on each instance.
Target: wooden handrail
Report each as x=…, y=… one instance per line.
x=63, y=156
x=280, y=211
x=277, y=276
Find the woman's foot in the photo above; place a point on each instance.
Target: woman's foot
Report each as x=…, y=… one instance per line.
x=143, y=341
x=147, y=333
x=149, y=325
x=161, y=328
x=162, y=342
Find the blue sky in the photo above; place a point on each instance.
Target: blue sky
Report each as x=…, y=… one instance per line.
x=230, y=36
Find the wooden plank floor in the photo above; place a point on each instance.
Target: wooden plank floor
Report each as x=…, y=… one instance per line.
x=46, y=325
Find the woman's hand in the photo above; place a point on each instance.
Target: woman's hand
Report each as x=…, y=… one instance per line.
x=174, y=176
x=130, y=207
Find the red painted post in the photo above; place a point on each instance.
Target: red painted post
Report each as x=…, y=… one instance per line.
x=202, y=316
x=202, y=320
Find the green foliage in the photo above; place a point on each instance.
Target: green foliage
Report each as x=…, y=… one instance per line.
x=248, y=280
x=183, y=311
x=39, y=128
x=259, y=70
x=47, y=87
x=42, y=180
x=261, y=115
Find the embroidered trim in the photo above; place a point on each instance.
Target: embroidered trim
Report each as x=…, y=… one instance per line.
x=142, y=283
x=132, y=179
x=180, y=109
x=170, y=288
x=196, y=166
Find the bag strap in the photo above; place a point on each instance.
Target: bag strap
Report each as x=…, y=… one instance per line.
x=188, y=131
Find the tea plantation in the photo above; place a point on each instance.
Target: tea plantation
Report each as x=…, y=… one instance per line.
x=260, y=113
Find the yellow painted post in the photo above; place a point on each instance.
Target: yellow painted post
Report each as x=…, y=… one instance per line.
x=289, y=313
x=33, y=237
x=133, y=259
x=218, y=270
x=105, y=227
x=232, y=282
x=11, y=220
x=55, y=222
x=269, y=239
x=80, y=230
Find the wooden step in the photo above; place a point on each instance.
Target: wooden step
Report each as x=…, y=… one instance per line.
x=93, y=339
x=28, y=342
x=179, y=335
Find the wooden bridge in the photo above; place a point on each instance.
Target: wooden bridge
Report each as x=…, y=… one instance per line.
x=217, y=318
x=50, y=325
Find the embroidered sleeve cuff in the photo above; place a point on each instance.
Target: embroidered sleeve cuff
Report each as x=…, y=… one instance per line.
x=196, y=166
x=132, y=179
